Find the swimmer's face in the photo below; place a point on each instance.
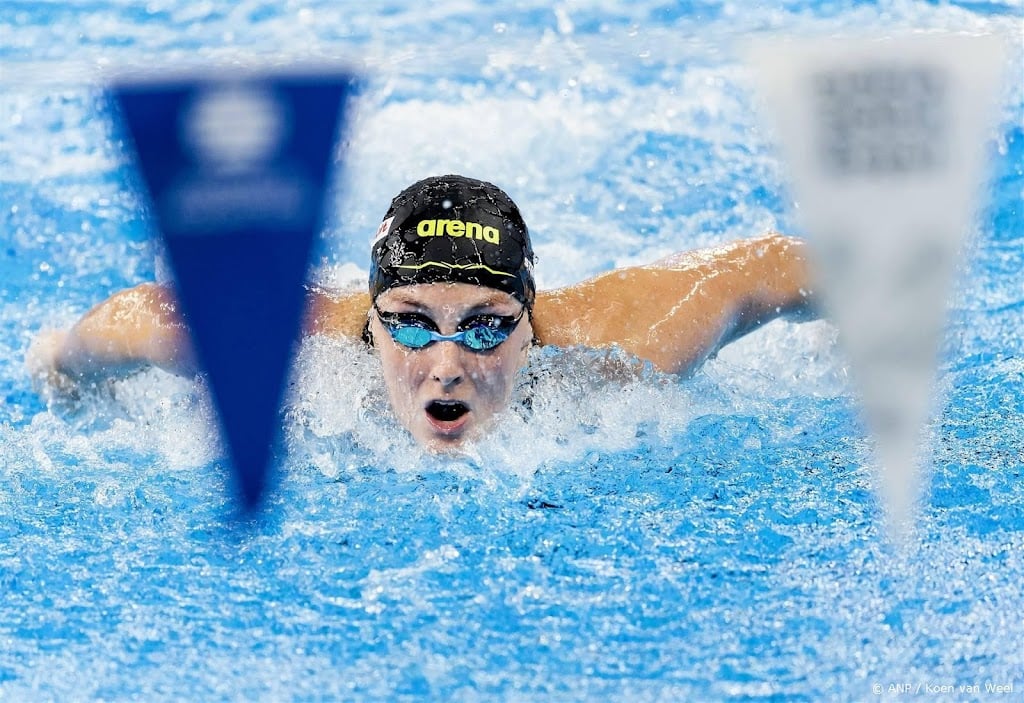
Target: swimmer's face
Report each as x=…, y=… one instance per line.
x=445, y=393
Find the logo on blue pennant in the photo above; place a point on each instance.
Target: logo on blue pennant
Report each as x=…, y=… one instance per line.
x=236, y=168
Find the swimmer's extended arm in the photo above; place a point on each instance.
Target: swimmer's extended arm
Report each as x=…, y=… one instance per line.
x=130, y=330
x=141, y=327
x=678, y=311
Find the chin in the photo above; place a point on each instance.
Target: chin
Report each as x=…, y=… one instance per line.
x=445, y=445
x=442, y=443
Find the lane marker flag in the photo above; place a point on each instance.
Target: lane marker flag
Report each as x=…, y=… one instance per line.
x=236, y=165
x=885, y=143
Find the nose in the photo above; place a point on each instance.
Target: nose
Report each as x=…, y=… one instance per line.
x=447, y=368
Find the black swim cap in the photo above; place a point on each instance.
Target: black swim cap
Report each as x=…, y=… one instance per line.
x=453, y=229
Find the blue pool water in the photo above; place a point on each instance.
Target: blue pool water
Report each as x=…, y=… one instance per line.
x=635, y=538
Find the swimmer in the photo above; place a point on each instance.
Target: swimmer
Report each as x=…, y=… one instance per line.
x=452, y=310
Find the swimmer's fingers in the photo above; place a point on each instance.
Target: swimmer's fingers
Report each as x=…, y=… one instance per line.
x=41, y=363
x=41, y=357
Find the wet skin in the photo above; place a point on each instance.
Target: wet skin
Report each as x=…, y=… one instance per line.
x=445, y=393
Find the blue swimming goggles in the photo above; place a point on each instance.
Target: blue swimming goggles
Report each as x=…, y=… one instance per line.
x=478, y=333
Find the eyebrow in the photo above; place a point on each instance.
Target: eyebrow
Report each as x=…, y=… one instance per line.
x=410, y=300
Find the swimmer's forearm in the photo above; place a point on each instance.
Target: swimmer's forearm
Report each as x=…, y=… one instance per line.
x=131, y=330
x=141, y=327
x=700, y=301
x=728, y=292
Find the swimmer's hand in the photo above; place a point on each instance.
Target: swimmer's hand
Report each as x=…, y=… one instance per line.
x=41, y=364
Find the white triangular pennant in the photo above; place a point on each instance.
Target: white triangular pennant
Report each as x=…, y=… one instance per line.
x=885, y=142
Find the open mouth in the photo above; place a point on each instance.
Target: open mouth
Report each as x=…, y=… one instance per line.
x=448, y=417
x=447, y=410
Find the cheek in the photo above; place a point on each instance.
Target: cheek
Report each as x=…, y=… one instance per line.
x=401, y=373
x=495, y=375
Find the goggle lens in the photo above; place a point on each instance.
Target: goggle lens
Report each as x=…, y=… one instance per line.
x=410, y=336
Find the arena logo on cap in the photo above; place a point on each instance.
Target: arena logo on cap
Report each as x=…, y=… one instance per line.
x=458, y=228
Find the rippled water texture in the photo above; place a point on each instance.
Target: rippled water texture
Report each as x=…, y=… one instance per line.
x=628, y=537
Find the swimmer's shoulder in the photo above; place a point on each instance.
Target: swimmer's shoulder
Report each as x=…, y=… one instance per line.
x=561, y=315
x=336, y=313
x=608, y=308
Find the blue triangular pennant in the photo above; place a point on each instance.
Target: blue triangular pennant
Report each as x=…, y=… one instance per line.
x=236, y=168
